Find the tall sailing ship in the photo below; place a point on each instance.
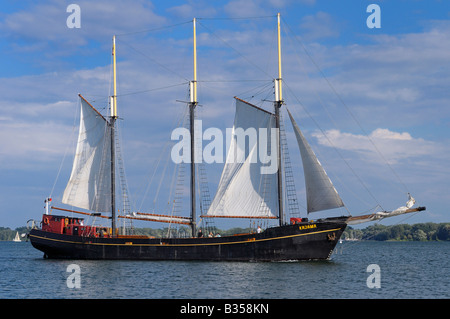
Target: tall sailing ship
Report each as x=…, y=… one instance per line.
x=246, y=190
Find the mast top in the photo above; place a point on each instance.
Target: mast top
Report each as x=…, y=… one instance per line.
x=114, y=97
x=278, y=81
x=193, y=83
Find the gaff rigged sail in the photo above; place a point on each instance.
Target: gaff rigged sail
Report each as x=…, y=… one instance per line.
x=243, y=190
x=89, y=186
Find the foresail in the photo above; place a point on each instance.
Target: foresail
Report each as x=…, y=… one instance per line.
x=320, y=192
x=243, y=190
x=89, y=186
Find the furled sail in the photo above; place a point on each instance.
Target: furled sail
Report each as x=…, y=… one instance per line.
x=320, y=192
x=89, y=186
x=159, y=218
x=380, y=215
x=245, y=189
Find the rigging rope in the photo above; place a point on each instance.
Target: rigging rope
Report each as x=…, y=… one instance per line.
x=154, y=29
x=348, y=109
x=331, y=143
x=158, y=161
x=154, y=89
x=237, y=18
x=74, y=127
x=154, y=61
x=231, y=47
x=325, y=135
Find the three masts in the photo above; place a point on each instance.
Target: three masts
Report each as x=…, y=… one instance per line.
x=248, y=188
x=102, y=158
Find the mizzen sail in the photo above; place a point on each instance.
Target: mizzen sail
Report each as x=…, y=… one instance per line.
x=89, y=186
x=320, y=192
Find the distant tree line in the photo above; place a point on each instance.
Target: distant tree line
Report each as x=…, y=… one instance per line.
x=9, y=234
x=186, y=231
x=403, y=232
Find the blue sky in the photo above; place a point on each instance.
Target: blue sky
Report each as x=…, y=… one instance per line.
x=394, y=81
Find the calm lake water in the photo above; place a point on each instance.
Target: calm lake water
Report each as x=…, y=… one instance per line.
x=407, y=270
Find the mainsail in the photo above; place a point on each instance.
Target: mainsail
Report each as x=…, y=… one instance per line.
x=320, y=192
x=243, y=190
x=89, y=186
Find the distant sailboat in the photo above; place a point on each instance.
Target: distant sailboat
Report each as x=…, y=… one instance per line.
x=17, y=238
x=244, y=191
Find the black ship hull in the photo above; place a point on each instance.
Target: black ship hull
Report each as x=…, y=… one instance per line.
x=304, y=241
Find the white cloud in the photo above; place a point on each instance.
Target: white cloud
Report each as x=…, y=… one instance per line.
x=46, y=23
x=393, y=146
x=244, y=8
x=381, y=133
x=191, y=9
x=184, y=10
x=255, y=8
x=319, y=25
x=34, y=133
x=25, y=145
x=395, y=81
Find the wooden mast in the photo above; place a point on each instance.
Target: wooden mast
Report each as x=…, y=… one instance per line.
x=277, y=104
x=279, y=83
x=113, y=151
x=193, y=103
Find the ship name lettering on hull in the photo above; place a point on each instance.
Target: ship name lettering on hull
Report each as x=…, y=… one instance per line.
x=307, y=226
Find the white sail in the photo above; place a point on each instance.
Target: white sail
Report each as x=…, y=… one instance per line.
x=17, y=238
x=89, y=186
x=320, y=192
x=243, y=190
